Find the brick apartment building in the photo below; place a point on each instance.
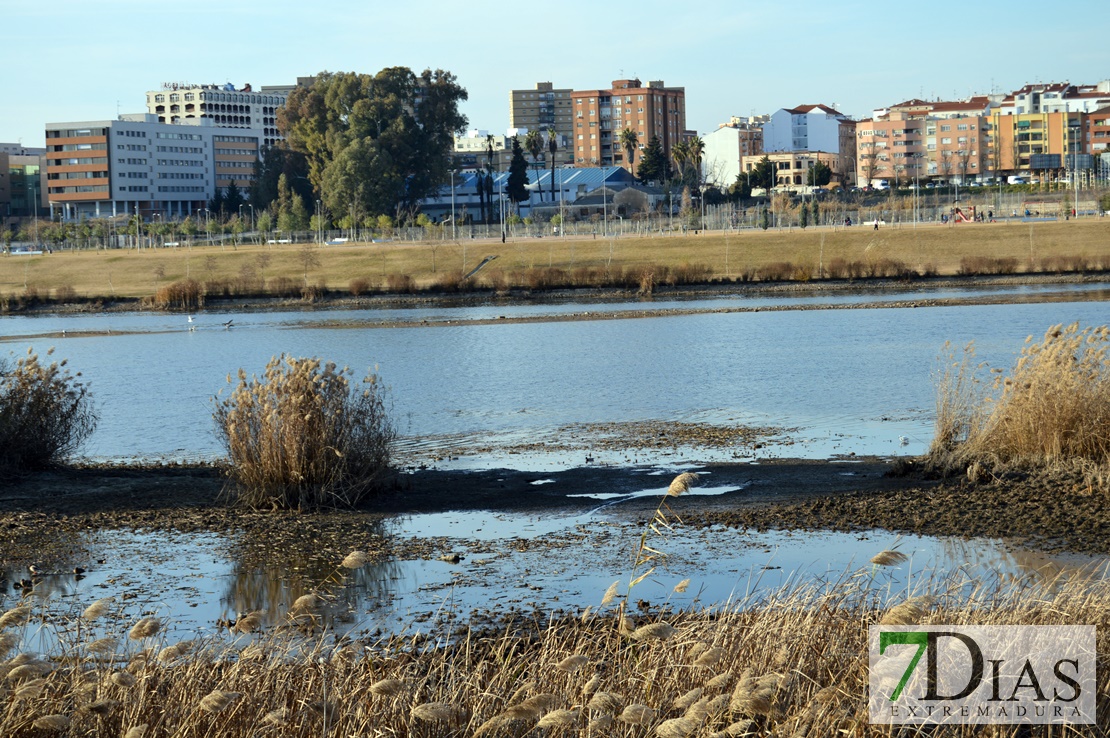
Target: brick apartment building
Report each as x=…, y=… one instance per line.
x=649, y=110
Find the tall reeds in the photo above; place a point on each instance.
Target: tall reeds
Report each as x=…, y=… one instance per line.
x=1052, y=406
x=304, y=435
x=45, y=414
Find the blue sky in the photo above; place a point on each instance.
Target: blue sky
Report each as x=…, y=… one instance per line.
x=77, y=59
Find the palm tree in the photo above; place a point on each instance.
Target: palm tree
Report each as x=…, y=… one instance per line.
x=680, y=155
x=629, y=141
x=696, y=147
x=552, y=145
x=533, y=142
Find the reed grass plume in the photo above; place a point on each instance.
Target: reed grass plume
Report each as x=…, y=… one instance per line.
x=889, y=558
x=355, y=560
x=144, y=628
x=304, y=435
x=98, y=609
x=217, y=700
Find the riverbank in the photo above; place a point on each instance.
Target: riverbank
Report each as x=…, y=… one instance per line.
x=311, y=275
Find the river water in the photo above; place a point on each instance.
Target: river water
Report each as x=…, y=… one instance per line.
x=846, y=381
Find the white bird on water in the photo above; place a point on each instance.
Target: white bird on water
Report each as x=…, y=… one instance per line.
x=903, y=441
x=190, y=318
x=228, y=323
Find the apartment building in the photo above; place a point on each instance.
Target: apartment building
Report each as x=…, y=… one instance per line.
x=1046, y=142
x=136, y=164
x=1056, y=97
x=22, y=181
x=916, y=140
x=805, y=128
x=814, y=129
x=649, y=110
x=1098, y=132
x=223, y=105
x=542, y=108
x=727, y=146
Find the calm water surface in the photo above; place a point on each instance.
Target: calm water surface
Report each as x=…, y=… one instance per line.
x=849, y=381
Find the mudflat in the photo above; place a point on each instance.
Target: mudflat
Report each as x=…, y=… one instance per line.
x=1053, y=511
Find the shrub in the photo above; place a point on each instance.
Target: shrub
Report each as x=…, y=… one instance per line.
x=286, y=287
x=1054, y=405
x=65, y=294
x=45, y=414
x=400, y=283
x=358, y=286
x=304, y=435
x=183, y=295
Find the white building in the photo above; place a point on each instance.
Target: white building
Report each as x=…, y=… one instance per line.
x=804, y=128
x=726, y=147
x=222, y=105
x=135, y=164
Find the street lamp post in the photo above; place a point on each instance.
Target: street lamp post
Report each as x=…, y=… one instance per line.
x=454, y=231
x=319, y=223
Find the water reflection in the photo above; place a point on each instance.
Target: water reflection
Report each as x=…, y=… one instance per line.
x=513, y=562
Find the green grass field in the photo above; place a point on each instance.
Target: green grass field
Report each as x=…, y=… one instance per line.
x=1073, y=245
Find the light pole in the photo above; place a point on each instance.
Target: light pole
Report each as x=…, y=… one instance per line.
x=454, y=231
x=319, y=223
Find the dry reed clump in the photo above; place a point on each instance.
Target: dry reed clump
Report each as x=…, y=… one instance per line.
x=305, y=435
x=187, y=294
x=45, y=414
x=1052, y=407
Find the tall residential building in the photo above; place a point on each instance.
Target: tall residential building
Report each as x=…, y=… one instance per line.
x=137, y=165
x=543, y=108
x=649, y=110
x=816, y=130
x=185, y=103
x=726, y=147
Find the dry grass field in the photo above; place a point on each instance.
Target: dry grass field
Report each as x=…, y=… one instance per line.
x=856, y=251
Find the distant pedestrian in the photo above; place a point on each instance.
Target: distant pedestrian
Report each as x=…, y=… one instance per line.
x=876, y=225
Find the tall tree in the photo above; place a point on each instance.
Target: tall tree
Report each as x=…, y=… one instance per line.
x=233, y=198
x=276, y=161
x=533, y=141
x=763, y=175
x=218, y=203
x=819, y=175
x=696, y=148
x=629, y=141
x=516, y=187
x=680, y=154
x=552, y=147
x=376, y=144
x=654, y=166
